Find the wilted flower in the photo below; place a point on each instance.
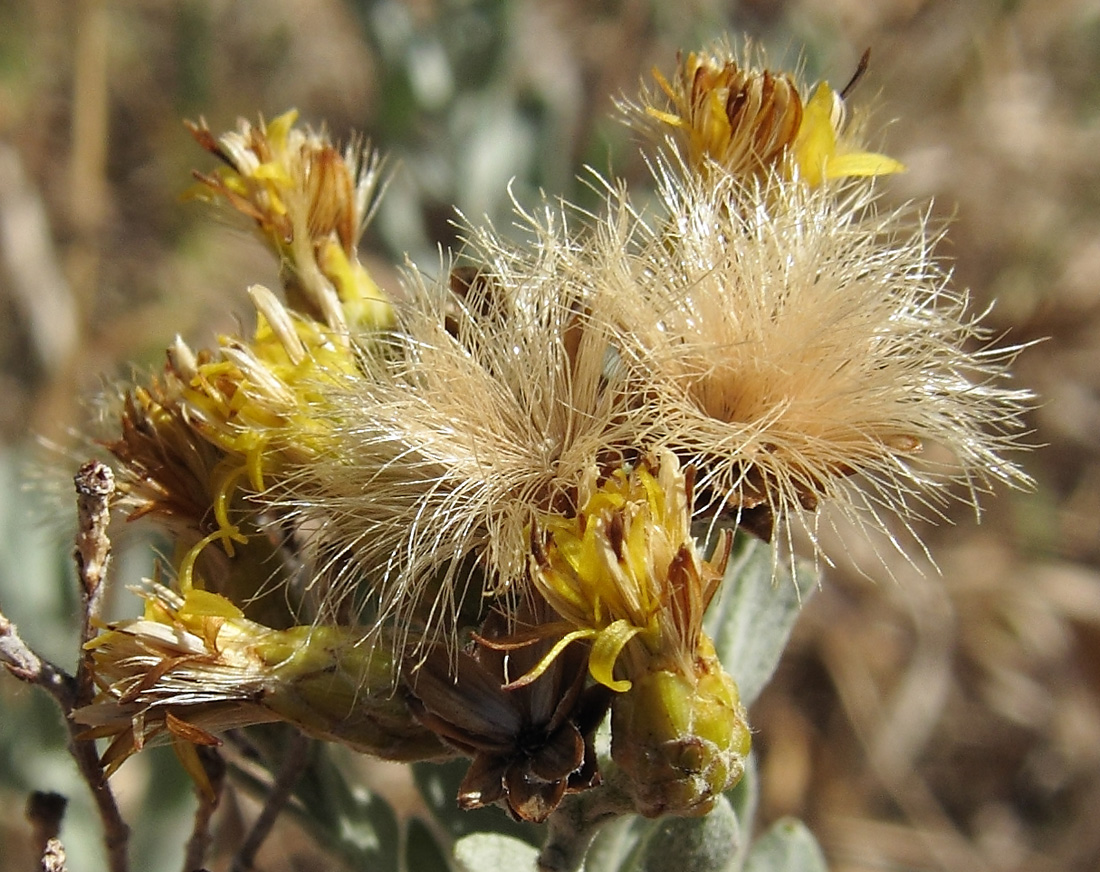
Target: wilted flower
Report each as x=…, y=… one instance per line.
x=623, y=571
x=194, y=665
x=531, y=744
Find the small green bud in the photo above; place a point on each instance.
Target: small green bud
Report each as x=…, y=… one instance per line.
x=681, y=740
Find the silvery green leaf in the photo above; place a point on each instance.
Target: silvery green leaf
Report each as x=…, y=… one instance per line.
x=347, y=819
x=787, y=847
x=744, y=798
x=423, y=851
x=704, y=844
x=492, y=852
x=752, y=616
x=614, y=843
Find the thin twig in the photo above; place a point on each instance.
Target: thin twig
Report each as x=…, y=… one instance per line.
x=94, y=488
x=199, y=843
x=27, y=666
x=95, y=484
x=24, y=664
x=293, y=765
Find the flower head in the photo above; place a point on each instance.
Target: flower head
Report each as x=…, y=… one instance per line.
x=490, y=403
x=531, y=744
x=194, y=666
x=798, y=345
x=725, y=113
x=311, y=204
x=624, y=573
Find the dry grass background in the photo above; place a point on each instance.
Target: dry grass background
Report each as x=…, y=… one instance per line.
x=947, y=722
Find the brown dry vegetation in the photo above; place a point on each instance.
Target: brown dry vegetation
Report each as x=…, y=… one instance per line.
x=945, y=722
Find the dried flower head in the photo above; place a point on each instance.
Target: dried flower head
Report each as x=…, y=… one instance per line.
x=194, y=665
x=800, y=345
x=530, y=745
x=752, y=122
x=490, y=403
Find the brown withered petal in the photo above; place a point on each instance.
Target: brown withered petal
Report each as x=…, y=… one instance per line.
x=530, y=744
x=562, y=755
x=531, y=798
x=483, y=783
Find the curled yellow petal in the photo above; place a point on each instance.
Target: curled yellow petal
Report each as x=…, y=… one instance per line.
x=608, y=644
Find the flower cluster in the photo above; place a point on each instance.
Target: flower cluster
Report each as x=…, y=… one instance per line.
x=462, y=520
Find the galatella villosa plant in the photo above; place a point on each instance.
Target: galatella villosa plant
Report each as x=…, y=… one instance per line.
x=513, y=512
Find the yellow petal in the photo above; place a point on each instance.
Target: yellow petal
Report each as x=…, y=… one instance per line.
x=605, y=652
x=862, y=163
x=205, y=603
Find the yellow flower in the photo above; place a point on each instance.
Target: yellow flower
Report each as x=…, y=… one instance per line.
x=821, y=151
x=311, y=204
x=624, y=572
x=222, y=427
x=754, y=122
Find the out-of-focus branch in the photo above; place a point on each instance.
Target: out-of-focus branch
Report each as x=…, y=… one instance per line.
x=293, y=765
x=45, y=811
x=199, y=842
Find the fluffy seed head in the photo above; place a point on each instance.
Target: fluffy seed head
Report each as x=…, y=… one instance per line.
x=800, y=344
x=489, y=404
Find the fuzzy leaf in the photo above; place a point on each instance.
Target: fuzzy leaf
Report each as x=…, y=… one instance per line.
x=615, y=842
x=744, y=798
x=353, y=823
x=492, y=852
x=787, y=847
x=703, y=844
x=751, y=618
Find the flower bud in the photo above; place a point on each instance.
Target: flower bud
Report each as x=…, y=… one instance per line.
x=681, y=740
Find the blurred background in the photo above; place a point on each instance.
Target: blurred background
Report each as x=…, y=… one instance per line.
x=950, y=722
